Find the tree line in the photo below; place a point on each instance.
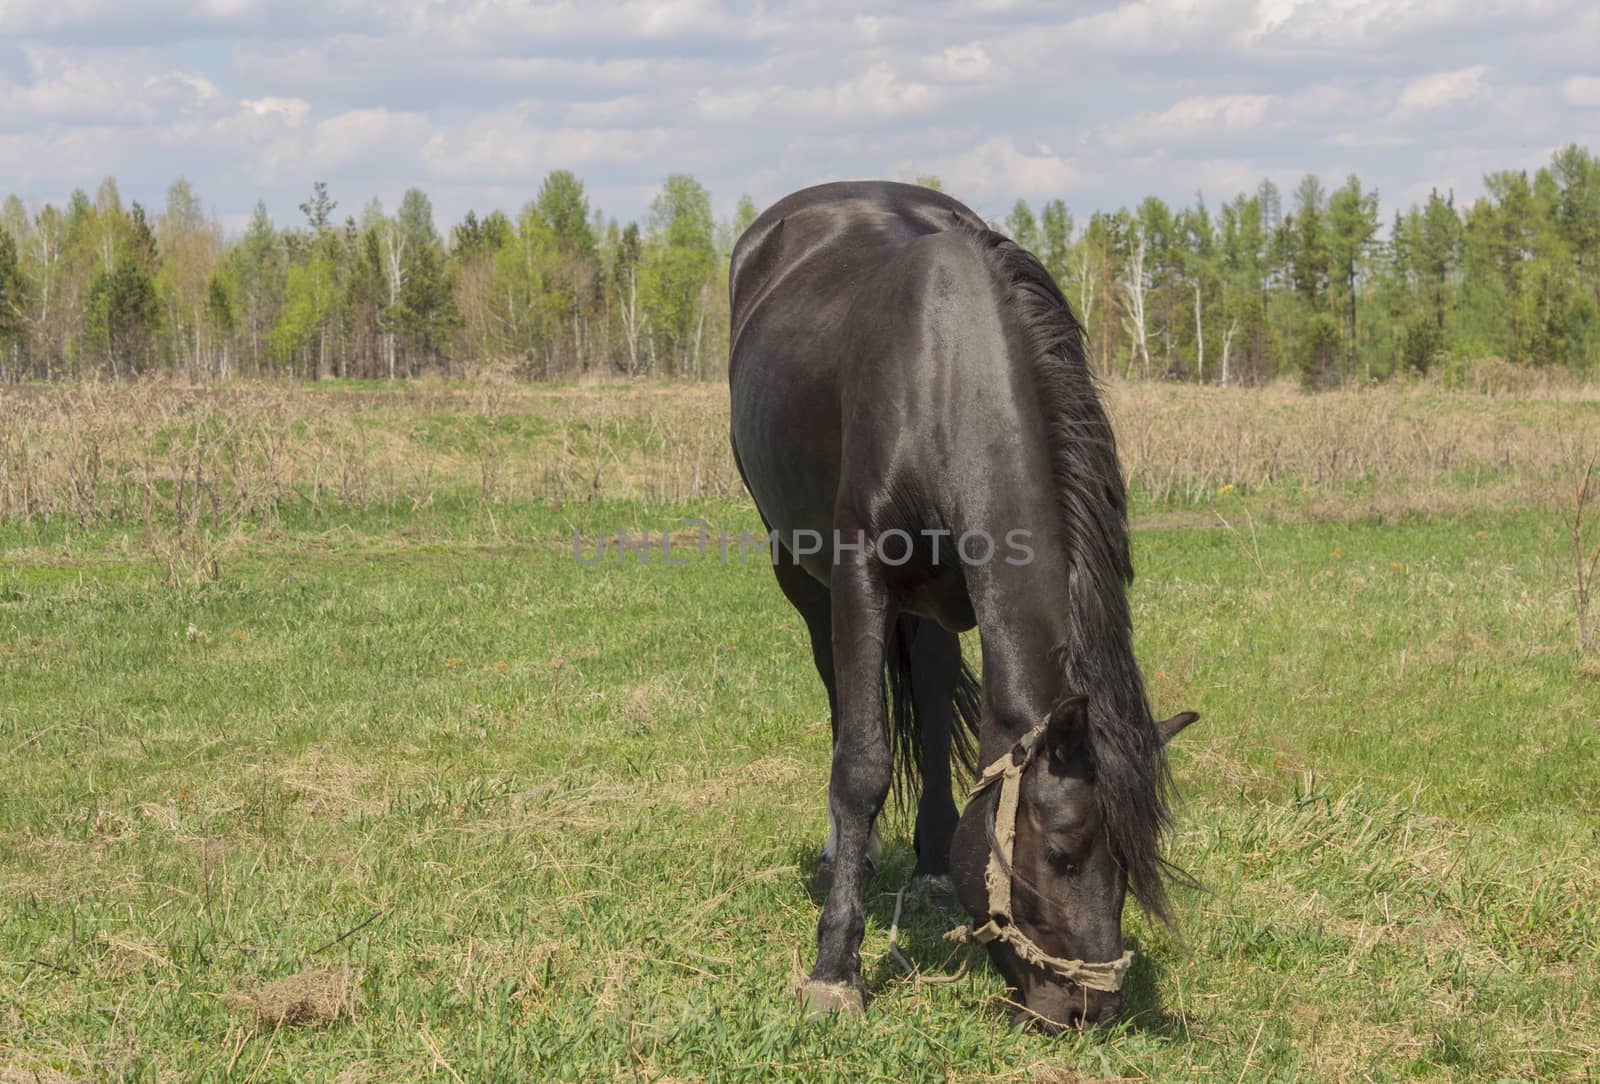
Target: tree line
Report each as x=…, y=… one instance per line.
x=1308, y=284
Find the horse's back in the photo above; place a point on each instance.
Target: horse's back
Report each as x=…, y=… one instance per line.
x=821, y=244
x=817, y=287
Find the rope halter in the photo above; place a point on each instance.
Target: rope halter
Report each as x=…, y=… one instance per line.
x=1007, y=771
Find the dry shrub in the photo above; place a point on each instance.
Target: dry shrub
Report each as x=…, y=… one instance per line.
x=1580, y=513
x=316, y=998
x=1496, y=377
x=195, y=462
x=1183, y=444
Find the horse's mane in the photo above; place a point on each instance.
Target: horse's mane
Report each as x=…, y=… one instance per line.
x=1131, y=775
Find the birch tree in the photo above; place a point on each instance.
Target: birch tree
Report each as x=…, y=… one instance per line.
x=1133, y=288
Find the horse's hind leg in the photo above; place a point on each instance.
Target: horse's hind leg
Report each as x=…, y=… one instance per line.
x=935, y=671
x=815, y=605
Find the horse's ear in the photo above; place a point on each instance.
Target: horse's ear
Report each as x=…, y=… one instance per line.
x=1066, y=735
x=1170, y=728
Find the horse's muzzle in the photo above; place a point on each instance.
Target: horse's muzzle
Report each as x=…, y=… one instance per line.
x=1085, y=1008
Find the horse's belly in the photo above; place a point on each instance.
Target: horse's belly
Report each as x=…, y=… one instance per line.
x=944, y=601
x=785, y=432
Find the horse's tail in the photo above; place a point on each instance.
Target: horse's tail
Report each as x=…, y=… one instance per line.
x=906, y=726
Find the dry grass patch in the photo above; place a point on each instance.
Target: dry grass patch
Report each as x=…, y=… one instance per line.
x=122, y=955
x=19, y=1074
x=333, y=786
x=204, y=459
x=316, y=998
x=1184, y=444
x=766, y=773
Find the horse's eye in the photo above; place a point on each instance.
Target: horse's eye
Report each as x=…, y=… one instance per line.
x=1061, y=861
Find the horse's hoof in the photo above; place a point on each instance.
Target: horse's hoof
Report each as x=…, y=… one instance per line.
x=832, y=997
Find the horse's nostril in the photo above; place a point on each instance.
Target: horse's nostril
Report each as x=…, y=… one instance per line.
x=1108, y=1010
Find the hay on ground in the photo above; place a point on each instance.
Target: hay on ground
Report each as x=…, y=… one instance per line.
x=317, y=998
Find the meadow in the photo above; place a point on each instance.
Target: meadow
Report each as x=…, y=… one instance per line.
x=326, y=760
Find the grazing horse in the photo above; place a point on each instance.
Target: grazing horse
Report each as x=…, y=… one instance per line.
x=915, y=420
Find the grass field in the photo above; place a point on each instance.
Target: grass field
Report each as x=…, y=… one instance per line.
x=381, y=759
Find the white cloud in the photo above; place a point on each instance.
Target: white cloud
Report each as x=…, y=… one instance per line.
x=1340, y=25
x=510, y=146
x=995, y=171
x=357, y=136
x=1368, y=139
x=875, y=94
x=293, y=110
x=630, y=109
x=1582, y=91
x=1187, y=121
x=507, y=26
x=67, y=91
x=733, y=105
x=969, y=61
x=187, y=88
x=1098, y=104
x=102, y=23
x=869, y=26
x=1442, y=89
x=1156, y=26
x=62, y=88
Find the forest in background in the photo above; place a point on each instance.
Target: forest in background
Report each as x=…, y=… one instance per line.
x=1317, y=284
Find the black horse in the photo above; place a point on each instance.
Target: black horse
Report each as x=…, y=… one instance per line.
x=914, y=417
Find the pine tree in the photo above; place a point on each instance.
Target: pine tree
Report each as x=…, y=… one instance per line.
x=1022, y=227
x=565, y=209
x=122, y=310
x=319, y=209
x=13, y=309
x=1308, y=254
x=257, y=267
x=222, y=315
x=1055, y=240
x=1435, y=250
x=1352, y=224
x=428, y=312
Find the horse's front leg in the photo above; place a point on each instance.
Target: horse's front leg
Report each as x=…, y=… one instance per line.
x=858, y=783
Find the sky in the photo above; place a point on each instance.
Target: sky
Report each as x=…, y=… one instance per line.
x=475, y=101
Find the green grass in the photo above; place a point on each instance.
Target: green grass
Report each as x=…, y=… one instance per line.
x=584, y=803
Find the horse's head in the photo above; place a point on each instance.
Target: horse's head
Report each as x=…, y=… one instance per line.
x=1033, y=862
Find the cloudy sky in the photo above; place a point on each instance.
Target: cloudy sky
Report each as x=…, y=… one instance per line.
x=476, y=100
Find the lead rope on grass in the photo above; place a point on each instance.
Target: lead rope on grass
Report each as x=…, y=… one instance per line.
x=906, y=965
x=1106, y=975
